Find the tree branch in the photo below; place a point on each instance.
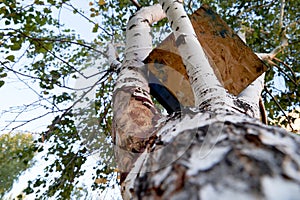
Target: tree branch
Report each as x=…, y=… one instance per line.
x=88, y=19
x=208, y=91
x=136, y=4
x=47, y=134
x=279, y=106
x=287, y=66
x=16, y=72
x=281, y=14
x=134, y=113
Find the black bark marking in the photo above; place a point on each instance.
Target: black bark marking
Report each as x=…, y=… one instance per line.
x=132, y=26
x=146, y=20
x=163, y=5
x=132, y=16
x=177, y=28
x=183, y=16
x=167, y=9
x=171, y=24
x=241, y=104
x=123, y=176
x=254, y=139
x=143, y=186
x=137, y=34
x=180, y=40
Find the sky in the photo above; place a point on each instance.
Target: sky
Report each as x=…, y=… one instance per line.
x=15, y=93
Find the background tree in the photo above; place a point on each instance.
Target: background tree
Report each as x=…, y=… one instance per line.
x=56, y=55
x=17, y=151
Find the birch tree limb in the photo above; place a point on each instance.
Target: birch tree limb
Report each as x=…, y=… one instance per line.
x=208, y=91
x=201, y=74
x=134, y=113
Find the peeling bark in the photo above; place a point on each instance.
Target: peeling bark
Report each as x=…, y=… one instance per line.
x=134, y=113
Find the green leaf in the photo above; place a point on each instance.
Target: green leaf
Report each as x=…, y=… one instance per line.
x=95, y=29
x=1, y=83
x=16, y=46
x=10, y=58
x=3, y=75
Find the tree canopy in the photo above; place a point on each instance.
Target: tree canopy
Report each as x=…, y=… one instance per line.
x=47, y=57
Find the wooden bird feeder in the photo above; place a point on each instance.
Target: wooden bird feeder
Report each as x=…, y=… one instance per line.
x=234, y=63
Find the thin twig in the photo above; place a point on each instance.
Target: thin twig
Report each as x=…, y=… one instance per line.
x=286, y=65
x=85, y=17
x=33, y=119
x=282, y=71
x=279, y=106
x=56, y=40
x=16, y=72
x=136, y=4
x=255, y=7
x=46, y=135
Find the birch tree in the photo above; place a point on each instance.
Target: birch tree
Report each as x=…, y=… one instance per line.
x=216, y=150
x=182, y=154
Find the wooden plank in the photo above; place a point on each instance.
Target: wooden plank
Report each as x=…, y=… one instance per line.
x=234, y=63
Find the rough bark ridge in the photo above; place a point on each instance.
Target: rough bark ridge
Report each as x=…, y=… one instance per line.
x=220, y=157
x=213, y=151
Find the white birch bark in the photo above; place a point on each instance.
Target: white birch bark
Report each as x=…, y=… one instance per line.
x=252, y=93
x=204, y=83
x=138, y=46
x=208, y=91
x=246, y=157
x=248, y=161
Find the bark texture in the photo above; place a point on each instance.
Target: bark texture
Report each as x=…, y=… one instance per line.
x=203, y=156
x=134, y=113
x=213, y=151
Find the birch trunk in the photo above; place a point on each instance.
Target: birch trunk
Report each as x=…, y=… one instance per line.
x=223, y=157
x=216, y=150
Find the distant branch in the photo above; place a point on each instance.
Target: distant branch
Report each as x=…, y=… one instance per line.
x=287, y=66
x=58, y=120
x=85, y=17
x=136, y=4
x=16, y=72
x=270, y=56
x=280, y=108
x=27, y=121
x=56, y=40
x=281, y=14
x=255, y=7
x=282, y=71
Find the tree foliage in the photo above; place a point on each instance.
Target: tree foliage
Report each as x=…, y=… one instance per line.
x=16, y=152
x=38, y=49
